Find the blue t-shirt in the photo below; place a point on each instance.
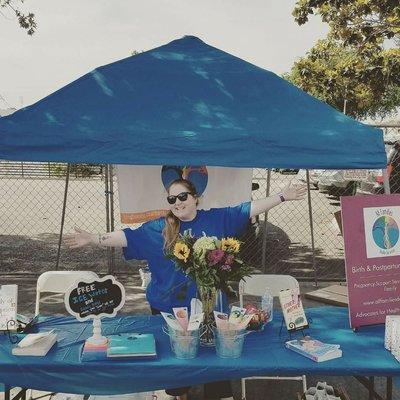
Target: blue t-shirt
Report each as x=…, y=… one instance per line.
x=170, y=287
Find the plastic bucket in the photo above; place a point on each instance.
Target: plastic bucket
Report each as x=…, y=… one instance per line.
x=229, y=343
x=184, y=344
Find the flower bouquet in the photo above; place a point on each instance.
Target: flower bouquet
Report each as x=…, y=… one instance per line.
x=211, y=263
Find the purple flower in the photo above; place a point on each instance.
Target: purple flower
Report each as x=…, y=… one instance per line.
x=215, y=256
x=225, y=267
x=229, y=259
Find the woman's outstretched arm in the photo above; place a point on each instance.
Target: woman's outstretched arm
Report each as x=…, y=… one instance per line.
x=82, y=238
x=289, y=193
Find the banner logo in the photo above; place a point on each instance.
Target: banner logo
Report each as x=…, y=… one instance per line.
x=382, y=231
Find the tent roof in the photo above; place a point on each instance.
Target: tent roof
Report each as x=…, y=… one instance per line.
x=188, y=103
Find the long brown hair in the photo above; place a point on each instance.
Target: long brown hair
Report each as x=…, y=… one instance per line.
x=172, y=222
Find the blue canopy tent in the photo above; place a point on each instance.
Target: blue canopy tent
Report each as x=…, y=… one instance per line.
x=188, y=103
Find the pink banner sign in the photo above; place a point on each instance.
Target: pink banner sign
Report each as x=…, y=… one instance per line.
x=372, y=253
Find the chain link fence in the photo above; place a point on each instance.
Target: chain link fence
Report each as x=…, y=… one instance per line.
x=298, y=238
x=304, y=238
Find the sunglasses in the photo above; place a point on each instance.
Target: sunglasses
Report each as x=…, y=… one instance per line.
x=181, y=196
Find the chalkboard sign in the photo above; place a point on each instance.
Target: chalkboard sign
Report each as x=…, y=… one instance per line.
x=102, y=297
x=8, y=306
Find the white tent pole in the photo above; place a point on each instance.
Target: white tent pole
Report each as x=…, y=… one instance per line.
x=386, y=185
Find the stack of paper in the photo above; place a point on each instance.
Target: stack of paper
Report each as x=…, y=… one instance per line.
x=35, y=344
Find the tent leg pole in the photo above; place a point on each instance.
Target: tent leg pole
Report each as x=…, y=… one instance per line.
x=386, y=184
x=112, y=221
x=107, y=192
x=310, y=217
x=63, y=216
x=264, y=238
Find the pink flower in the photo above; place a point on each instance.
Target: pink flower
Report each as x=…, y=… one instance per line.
x=225, y=267
x=215, y=256
x=229, y=259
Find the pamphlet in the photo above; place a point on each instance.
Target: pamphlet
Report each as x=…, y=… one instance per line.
x=8, y=307
x=195, y=321
x=181, y=315
x=221, y=320
x=236, y=315
x=172, y=321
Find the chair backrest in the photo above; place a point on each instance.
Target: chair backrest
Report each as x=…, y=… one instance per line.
x=256, y=284
x=59, y=282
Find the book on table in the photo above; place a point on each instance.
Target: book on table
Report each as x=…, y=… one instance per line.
x=124, y=345
x=94, y=352
x=292, y=309
x=132, y=345
x=314, y=349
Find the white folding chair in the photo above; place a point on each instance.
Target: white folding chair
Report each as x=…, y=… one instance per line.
x=255, y=285
x=58, y=282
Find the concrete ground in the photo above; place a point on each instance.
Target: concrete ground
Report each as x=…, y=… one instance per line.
x=136, y=303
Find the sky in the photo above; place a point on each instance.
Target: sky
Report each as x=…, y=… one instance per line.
x=76, y=36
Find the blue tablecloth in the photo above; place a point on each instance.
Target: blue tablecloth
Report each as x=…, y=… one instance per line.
x=264, y=353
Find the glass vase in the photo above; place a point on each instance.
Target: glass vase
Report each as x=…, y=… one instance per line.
x=208, y=297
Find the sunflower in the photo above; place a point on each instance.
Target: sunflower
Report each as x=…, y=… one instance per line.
x=230, y=244
x=181, y=251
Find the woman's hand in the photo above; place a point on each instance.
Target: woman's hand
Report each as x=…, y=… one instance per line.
x=290, y=192
x=80, y=238
x=294, y=191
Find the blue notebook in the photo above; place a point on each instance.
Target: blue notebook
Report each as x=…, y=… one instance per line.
x=132, y=345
